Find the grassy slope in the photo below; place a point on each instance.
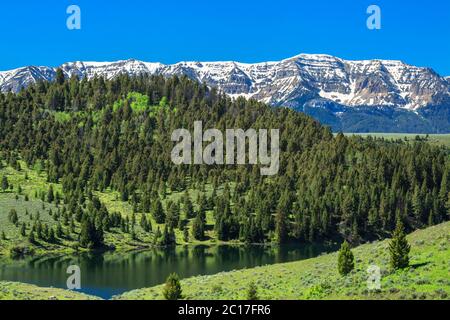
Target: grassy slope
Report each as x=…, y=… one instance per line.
x=435, y=139
x=317, y=278
x=31, y=180
x=22, y=291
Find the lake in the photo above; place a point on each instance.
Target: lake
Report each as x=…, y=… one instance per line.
x=111, y=273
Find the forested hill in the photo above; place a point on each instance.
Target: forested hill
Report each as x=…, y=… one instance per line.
x=94, y=135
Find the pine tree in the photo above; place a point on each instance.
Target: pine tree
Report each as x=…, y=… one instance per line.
x=185, y=234
x=252, y=292
x=23, y=229
x=188, y=208
x=418, y=204
x=448, y=205
x=281, y=227
x=5, y=183
x=172, y=288
x=345, y=259
x=51, y=236
x=445, y=186
x=90, y=236
x=133, y=235
x=12, y=216
x=168, y=237
x=157, y=235
x=145, y=225
x=60, y=76
x=198, y=228
x=399, y=248
x=31, y=237
x=50, y=194
x=59, y=231
x=158, y=211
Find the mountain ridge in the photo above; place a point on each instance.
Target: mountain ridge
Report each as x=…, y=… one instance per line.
x=304, y=82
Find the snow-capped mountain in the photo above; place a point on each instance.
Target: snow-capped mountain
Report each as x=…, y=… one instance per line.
x=300, y=82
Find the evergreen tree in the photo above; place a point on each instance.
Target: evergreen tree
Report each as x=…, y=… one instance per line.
x=172, y=288
x=445, y=186
x=31, y=237
x=51, y=236
x=188, y=208
x=168, y=237
x=173, y=214
x=158, y=211
x=448, y=205
x=418, y=204
x=399, y=248
x=5, y=183
x=198, y=228
x=145, y=225
x=281, y=227
x=50, y=194
x=60, y=76
x=23, y=230
x=157, y=236
x=185, y=234
x=59, y=231
x=90, y=236
x=345, y=259
x=12, y=216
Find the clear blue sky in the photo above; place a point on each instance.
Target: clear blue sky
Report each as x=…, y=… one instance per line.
x=168, y=31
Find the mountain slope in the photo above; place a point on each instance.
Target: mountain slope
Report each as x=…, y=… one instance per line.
x=367, y=95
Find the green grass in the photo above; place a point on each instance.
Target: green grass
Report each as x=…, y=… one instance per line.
x=435, y=139
x=22, y=291
x=317, y=278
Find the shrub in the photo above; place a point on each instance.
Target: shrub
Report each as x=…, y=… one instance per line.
x=252, y=291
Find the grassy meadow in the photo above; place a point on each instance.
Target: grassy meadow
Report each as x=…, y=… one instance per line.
x=435, y=139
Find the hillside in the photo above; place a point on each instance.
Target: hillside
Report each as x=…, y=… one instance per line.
x=86, y=165
x=317, y=278
x=32, y=207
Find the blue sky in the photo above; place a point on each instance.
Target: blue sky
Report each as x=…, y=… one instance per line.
x=35, y=32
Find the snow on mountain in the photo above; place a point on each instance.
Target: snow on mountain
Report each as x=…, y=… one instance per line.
x=291, y=82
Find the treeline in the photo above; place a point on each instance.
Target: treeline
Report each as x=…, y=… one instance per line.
x=327, y=187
